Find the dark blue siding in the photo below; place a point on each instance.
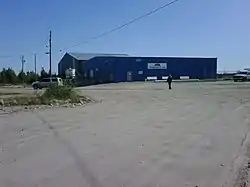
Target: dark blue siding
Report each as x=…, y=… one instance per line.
x=65, y=63
x=117, y=67
x=69, y=62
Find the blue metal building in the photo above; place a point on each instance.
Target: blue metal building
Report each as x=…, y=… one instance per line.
x=121, y=68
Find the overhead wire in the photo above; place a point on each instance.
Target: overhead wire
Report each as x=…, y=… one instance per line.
x=111, y=30
x=123, y=25
x=6, y=56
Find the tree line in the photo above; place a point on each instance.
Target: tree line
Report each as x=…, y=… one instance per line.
x=9, y=76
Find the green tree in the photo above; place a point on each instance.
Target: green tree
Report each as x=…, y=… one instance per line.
x=43, y=73
x=21, y=77
x=31, y=77
x=8, y=76
x=1, y=77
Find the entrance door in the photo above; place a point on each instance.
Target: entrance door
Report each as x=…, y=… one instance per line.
x=129, y=76
x=111, y=78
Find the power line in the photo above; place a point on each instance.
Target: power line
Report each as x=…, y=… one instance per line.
x=12, y=56
x=7, y=56
x=18, y=55
x=123, y=25
x=109, y=31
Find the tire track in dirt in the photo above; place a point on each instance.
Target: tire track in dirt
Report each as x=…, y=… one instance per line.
x=82, y=166
x=239, y=172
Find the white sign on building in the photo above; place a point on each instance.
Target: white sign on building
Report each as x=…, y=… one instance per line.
x=157, y=65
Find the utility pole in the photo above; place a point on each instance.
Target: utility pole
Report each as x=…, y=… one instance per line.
x=35, y=64
x=22, y=62
x=49, y=53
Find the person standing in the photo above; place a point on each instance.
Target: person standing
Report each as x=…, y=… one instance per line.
x=169, y=80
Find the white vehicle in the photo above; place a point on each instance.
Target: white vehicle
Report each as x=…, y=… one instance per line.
x=46, y=82
x=70, y=73
x=243, y=75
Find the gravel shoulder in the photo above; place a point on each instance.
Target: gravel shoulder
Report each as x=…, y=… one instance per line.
x=139, y=134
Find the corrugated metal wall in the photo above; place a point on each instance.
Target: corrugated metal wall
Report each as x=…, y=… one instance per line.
x=65, y=63
x=117, y=68
x=69, y=62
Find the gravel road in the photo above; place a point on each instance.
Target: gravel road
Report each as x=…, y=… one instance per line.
x=138, y=135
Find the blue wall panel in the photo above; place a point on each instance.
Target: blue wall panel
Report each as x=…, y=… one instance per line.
x=69, y=62
x=118, y=67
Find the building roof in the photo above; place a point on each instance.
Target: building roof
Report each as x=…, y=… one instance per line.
x=88, y=56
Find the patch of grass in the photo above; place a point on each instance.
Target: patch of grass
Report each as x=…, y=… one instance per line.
x=8, y=93
x=20, y=101
x=66, y=92
x=54, y=95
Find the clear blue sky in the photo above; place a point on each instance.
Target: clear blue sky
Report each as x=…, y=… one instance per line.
x=219, y=28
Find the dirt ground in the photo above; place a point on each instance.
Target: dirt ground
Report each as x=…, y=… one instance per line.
x=15, y=91
x=138, y=135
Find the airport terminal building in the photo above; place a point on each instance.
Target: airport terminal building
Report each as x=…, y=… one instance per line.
x=102, y=68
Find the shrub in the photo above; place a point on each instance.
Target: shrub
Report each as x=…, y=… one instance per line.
x=20, y=101
x=65, y=92
x=54, y=95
